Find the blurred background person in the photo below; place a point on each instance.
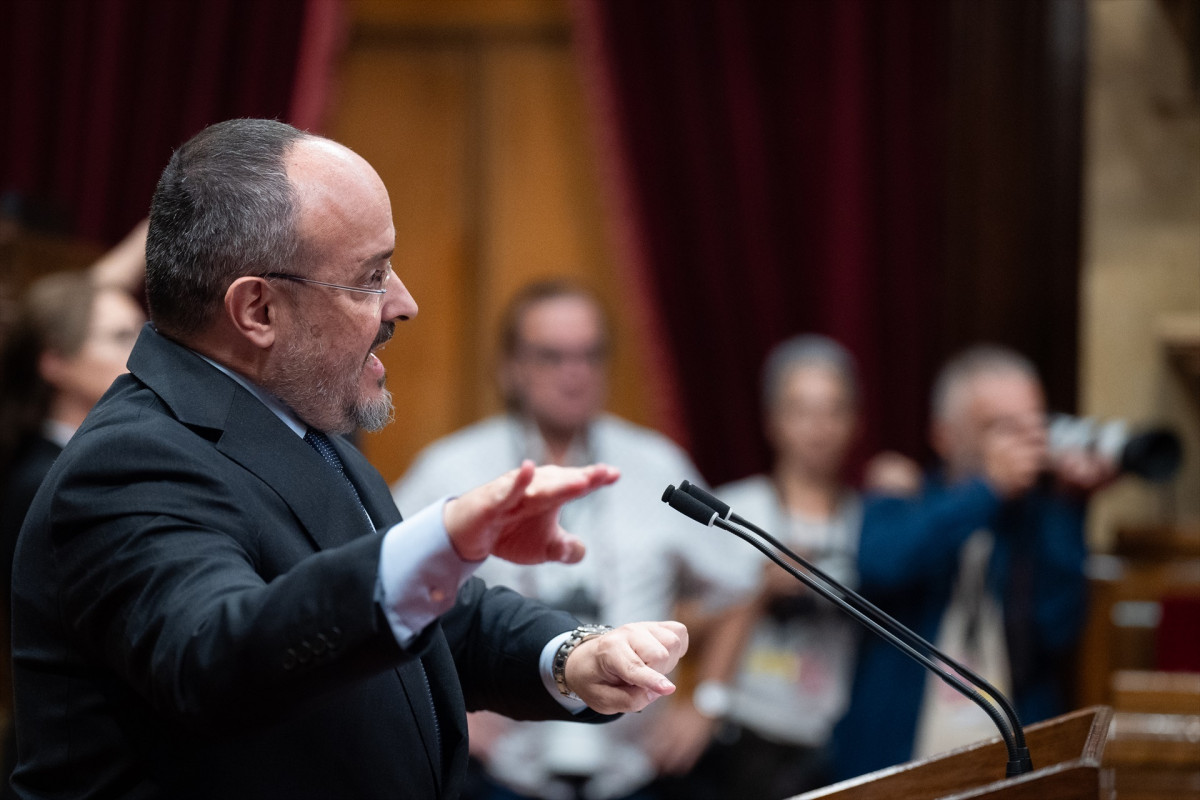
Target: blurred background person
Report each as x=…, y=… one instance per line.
x=985, y=560
x=789, y=653
x=554, y=343
x=71, y=337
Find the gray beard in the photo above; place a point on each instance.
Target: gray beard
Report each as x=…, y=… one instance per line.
x=374, y=415
x=325, y=398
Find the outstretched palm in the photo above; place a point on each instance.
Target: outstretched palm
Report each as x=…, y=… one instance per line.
x=515, y=517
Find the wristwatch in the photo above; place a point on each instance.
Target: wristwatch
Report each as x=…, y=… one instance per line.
x=559, y=668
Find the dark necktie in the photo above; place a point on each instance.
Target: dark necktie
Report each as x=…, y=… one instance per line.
x=320, y=442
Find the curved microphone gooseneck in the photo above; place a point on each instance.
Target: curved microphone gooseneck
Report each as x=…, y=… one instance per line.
x=867, y=607
x=701, y=506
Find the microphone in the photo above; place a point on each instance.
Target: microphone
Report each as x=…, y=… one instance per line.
x=698, y=504
x=690, y=506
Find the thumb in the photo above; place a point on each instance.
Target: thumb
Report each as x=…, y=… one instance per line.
x=567, y=549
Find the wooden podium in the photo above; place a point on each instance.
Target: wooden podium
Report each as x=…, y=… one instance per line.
x=1066, y=754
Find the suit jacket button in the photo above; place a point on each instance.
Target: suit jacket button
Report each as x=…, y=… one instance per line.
x=289, y=660
x=321, y=645
x=306, y=652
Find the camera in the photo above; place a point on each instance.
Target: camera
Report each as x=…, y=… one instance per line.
x=1153, y=454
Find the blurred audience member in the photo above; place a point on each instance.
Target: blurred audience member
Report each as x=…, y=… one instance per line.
x=70, y=339
x=555, y=350
x=985, y=559
x=790, y=652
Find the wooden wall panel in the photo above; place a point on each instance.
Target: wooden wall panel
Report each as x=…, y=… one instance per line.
x=544, y=213
x=473, y=113
x=407, y=113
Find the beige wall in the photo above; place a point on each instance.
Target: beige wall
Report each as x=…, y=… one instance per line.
x=1141, y=266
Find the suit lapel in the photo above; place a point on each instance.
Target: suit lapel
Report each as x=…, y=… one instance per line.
x=249, y=433
x=255, y=438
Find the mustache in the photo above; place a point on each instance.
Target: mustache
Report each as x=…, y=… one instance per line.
x=386, y=331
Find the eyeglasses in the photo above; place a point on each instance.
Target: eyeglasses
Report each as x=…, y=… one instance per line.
x=554, y=358
x=289, y=277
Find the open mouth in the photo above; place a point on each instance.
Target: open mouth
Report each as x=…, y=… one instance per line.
x=371, y=363
x=386, y=331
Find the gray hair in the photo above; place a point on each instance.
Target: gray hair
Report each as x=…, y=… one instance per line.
x=806, y=351
x=966, y=366
x=223, y=208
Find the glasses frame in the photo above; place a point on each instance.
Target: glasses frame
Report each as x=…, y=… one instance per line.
x=287, y=276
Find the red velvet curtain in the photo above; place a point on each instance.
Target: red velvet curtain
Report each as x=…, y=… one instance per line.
x=781, y=167
x=96, y=94
x=784, y=169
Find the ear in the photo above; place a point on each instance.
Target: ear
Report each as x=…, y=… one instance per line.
x=250, y=304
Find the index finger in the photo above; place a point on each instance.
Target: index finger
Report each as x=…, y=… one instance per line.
x=557, y=485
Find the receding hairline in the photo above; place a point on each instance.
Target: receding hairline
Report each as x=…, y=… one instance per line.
x=960, y=375
x=307, y=142
x=321, y=171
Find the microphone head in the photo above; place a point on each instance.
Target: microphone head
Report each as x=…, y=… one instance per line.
x=717, y=505
x=689, y=506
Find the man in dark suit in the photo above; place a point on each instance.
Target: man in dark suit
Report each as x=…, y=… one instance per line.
x=215, y=599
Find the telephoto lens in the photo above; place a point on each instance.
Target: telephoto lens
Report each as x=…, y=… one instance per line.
x=1153, y=454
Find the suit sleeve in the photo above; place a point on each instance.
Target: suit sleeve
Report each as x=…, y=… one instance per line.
x=164, y=577
x=906, y=540
x=496, y=637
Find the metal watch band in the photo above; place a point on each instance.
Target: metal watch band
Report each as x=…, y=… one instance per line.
x=559, y=667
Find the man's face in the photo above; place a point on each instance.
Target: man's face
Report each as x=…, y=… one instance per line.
x=811, y=421
x=559, y=370
x=1004, y=403
x=324, y=365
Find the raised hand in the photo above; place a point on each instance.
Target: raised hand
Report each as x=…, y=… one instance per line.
x=515, y=516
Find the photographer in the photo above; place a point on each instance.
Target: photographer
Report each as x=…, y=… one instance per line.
x=984, y=556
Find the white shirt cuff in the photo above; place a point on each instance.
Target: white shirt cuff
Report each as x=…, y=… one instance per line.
x=419, y=573
x=419, y=578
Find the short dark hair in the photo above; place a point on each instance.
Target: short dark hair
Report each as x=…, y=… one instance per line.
x=534, y=294
x=539, y=292
x=223, y=208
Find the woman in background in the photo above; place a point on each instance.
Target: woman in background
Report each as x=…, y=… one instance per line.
x=789, y=654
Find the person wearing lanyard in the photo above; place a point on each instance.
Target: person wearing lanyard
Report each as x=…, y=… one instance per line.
x=643, y=557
